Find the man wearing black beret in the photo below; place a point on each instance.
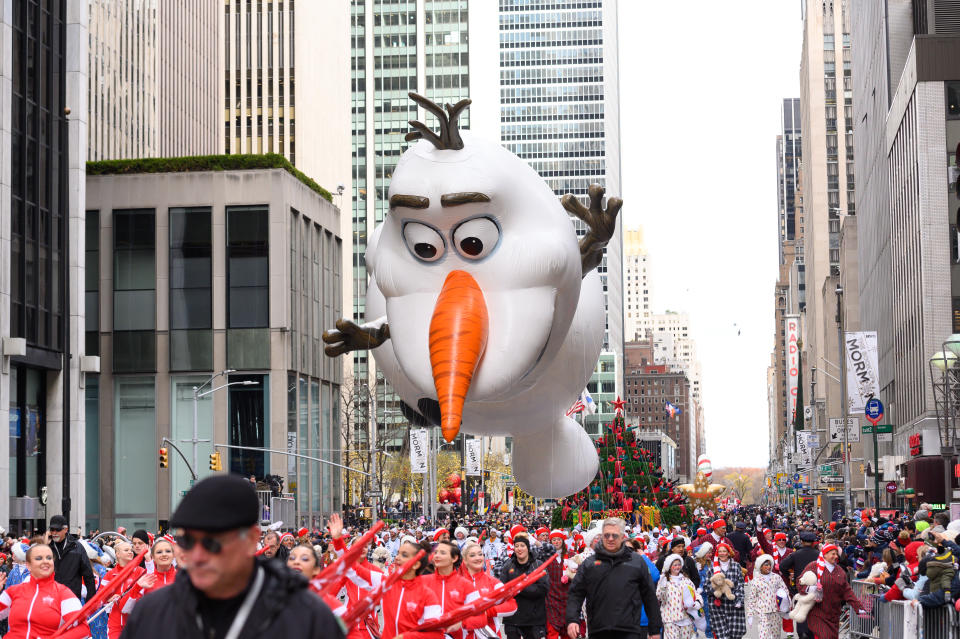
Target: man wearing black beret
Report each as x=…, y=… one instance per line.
x=225, y=590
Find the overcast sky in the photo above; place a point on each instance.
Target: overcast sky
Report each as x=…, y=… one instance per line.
x=701, y=85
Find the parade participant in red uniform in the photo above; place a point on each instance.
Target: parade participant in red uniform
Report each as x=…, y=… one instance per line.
x=164, y=572
x=484, y=583
x=120, y=601
x=305, y=560
x=450, y=587
x=410, y=603
x=37, y=607
x=360, y=579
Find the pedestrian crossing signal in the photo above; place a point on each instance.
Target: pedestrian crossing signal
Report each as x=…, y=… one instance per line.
x=216, y=463
x=164, y=458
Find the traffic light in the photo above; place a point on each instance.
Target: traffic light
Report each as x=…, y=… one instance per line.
x=164, y=458
x=215, y=462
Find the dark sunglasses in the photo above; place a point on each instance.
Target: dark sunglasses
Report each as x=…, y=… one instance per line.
x=212, y=545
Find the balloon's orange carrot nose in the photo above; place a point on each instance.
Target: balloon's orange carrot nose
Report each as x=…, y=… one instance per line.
x=458, y=336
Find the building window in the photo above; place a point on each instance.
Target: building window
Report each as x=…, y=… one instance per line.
x=953, y=100
x=38, y=139
x=191, y=337
x=248, y=425
x=134, y=291
x=248, y=338
x=92, y=286
x=135, y=437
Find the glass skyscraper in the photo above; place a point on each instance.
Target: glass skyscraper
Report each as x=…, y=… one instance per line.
x=396, y=47
x=559, y=111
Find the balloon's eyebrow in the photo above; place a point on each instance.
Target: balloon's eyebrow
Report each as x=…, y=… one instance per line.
x=409, y=201
x=467, y=197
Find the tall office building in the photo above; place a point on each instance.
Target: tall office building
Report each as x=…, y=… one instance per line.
x=826, y=106
x=153, y=82
x=559, y=109
x=637, y=285
x=907, y=114
x=789, y=291
x=42, y=158
x=264, y=89
x=396, y=47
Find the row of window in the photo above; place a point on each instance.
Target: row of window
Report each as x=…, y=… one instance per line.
x=190, y=275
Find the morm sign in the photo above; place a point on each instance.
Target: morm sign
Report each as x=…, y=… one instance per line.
x=863, y=373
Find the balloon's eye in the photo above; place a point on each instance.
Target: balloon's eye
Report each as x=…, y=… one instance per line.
x=476, y=238
x=424, y=242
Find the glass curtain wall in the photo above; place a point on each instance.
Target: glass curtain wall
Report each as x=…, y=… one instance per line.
x=134, y=291
x=248, y=287
x=135, y=456
x=181, y=429
x=249, y=407
x=191, y=316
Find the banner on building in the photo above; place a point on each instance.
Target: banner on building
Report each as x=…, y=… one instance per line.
x=419, y=450
x=791, y=335
x=804, y=456
x=863, y=372
x=472, y=454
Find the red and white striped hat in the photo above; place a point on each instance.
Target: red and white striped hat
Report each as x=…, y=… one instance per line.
x=716, y=560
x=822, y=563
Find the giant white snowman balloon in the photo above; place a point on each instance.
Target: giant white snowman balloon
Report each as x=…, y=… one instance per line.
x=484, y=312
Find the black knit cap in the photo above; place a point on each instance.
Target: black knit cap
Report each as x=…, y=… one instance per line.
x=218, y=503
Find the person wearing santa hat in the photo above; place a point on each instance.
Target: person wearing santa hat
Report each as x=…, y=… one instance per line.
x=560, y=574
x=717, y=534
x=726, y=615
x=823, y=620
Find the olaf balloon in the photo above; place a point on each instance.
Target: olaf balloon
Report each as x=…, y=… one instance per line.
x=484, y=312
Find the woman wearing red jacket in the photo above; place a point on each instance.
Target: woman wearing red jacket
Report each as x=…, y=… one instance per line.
x=36, y=608
x=451, y=588
x=305, y=560
x=410, y=603
x=118, y=618
x=485, y=583
x=359, y=580
x=164, y=572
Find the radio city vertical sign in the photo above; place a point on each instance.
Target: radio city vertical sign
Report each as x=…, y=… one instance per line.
x=791, y=336
x=863, y=373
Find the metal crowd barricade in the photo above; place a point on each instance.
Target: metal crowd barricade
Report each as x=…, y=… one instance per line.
x=861, y=627
x=899, y=619
x=940, y=623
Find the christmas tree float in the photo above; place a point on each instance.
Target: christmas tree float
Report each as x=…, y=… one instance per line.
x=629, y=484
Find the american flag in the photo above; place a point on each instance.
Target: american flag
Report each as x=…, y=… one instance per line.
x=578, y=407
x=672, y=409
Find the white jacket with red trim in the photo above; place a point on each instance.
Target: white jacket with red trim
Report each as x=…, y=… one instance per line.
x=36, y=610
x=490, y=623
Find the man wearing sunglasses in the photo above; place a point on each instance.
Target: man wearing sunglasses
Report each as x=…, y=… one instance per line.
x=224, y=590
x=617, y=587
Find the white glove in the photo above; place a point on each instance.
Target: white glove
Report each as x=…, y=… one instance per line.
x=750, y=621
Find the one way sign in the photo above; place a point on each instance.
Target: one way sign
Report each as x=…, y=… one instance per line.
x=853, y=430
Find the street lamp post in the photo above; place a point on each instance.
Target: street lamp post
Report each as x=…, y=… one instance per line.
x=945, y=400
x=847, y=500
x=197, y=394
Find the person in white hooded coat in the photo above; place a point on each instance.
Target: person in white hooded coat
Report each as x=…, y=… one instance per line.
x=769, y=591
x=679, y=603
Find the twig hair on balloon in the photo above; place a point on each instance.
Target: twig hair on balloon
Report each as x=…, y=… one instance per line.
x=449, y=138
